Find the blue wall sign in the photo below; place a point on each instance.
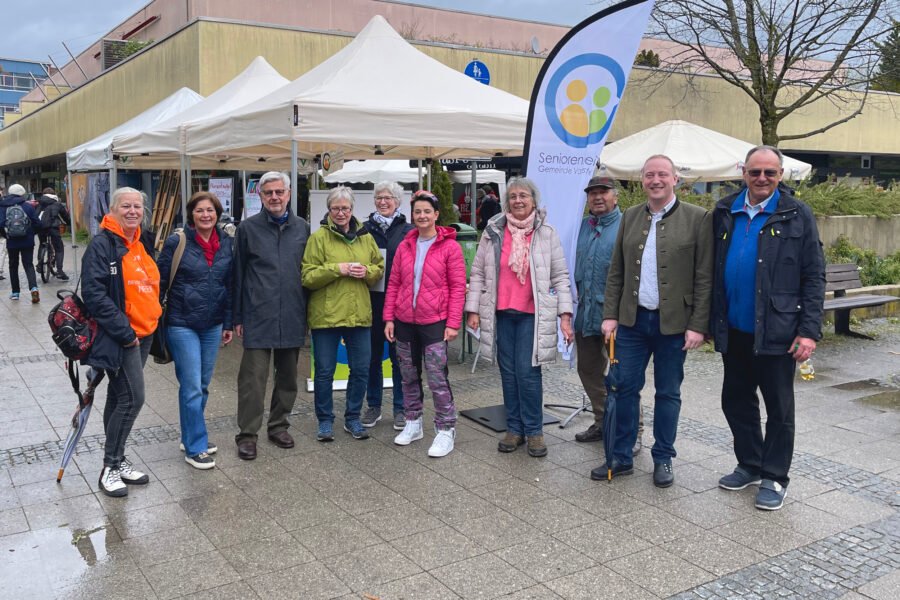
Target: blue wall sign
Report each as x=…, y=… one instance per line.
x=478, y=71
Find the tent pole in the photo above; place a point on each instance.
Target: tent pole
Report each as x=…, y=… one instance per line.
x=420, y=173
x=294, y=176
x=71, y=198
x=474, y=195
x=243, y=191
x=428, y=180
x=185, y=187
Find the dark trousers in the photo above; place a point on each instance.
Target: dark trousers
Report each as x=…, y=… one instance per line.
x=27, y=257
x=252, y=377
x=375, y=389
x=592, y=361
x=124, y=399
x=58, y=246
x=769, y=456
x=415, y=342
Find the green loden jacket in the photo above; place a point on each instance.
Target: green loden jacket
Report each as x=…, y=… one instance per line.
x=684, y=262
x=336, y=300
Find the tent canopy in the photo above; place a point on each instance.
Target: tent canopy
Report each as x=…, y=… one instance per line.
x=699, y=154
x=378, y=90
x=95, y=155
x=375, y=171
x=164, y=142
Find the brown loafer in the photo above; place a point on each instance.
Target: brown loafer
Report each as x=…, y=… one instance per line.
x=282, y=439
x=247, y=450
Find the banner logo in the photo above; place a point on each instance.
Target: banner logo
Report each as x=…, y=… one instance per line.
x=585, y=115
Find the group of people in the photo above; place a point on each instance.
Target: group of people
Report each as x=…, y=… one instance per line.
x=660, y=278
x=20, y=220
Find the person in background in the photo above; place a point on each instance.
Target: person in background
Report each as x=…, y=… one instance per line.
x=388, y=226
x=490, y=206
x=518, y=288
x=423, y=311
x=269, y=313
x=340, y=263
x=18, y=224
x=767, y=307
x=198, y=317
x=52, y=215
x=120, y=287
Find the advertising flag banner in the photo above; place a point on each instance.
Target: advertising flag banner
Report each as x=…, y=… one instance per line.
x=573, y=105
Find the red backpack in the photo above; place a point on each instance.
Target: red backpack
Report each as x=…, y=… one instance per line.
x=73, y=328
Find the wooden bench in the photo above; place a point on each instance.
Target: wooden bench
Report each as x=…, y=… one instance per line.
x=839, y=279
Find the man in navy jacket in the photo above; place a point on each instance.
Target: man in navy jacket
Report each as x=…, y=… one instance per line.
x=20, y=247
x=768, y=295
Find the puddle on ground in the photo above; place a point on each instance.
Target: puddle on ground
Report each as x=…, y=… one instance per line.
x=884, y=400
x=865, y=384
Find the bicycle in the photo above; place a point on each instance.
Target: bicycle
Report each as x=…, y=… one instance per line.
x=46, y=259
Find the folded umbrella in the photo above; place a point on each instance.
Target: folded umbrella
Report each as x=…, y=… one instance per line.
x=609, y=413
x=80, y=418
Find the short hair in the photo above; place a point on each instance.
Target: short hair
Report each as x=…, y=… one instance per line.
x=49, y=190
x=197, y=199
x=664, y=157
x=487, y=189
x=341, y=192
x=275, y=176
x=123, y=191
x=522, y=182
x=426, y=196
x=762, y=147
x=391, y=187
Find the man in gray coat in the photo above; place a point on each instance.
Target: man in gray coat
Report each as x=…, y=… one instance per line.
x=269, y=312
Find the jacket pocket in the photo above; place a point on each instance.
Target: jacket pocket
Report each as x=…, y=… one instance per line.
x=782, y=319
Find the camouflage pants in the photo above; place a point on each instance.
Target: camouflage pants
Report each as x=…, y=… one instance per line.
x=415, y=342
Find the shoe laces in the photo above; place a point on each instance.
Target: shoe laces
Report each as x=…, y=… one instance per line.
x=113, y=477
x=126, y=467
x=202, y=456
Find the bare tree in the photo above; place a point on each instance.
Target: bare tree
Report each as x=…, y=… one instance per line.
x=784, y=54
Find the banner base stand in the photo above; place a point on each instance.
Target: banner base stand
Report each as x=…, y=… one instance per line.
x=494, y=417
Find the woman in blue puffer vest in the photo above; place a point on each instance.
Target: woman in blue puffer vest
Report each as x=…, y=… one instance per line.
x=198, y=316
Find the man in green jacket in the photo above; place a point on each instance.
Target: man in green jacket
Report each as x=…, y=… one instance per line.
x=657, y=303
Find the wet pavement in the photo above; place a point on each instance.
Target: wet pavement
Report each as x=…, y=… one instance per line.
x=368, y=519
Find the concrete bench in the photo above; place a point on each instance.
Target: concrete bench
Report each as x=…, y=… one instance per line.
x=839, y=279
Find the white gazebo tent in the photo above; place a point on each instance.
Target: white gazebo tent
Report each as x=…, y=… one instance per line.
x=378, y=96
x=699, y=154
x=373, y=171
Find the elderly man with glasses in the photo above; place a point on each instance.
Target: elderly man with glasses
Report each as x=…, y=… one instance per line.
x=768, y=292
x=269, y=312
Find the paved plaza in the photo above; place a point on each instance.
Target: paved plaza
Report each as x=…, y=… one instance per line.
x=368, y=519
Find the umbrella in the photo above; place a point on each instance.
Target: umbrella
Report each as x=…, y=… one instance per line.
x=80, y=418
x=609, y=412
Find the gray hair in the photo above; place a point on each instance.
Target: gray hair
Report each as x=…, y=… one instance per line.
x=522, y=183
x=391, y=187
x=275, y=176
x=771, y=149
x=123, y=191
x=341, y=192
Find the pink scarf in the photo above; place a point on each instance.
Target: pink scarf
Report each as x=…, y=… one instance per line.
x=518, y=254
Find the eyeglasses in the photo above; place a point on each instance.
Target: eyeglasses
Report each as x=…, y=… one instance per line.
x=269, y=193
x=340, y=209
x=522, y=196
x=769, y=173
x=383, y=198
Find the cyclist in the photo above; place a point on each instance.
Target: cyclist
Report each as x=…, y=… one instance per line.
x=54, y=213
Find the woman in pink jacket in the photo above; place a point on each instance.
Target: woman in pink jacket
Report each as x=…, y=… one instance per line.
x=423, y=311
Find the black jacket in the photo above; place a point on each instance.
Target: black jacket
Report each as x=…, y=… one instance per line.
x=27, y=241
x=269, y=300
x=790, y=276
x=103, y=291
x=200, y=297
x=388, y=240
x=59, y=214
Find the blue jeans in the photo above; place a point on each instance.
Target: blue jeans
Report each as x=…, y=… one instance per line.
x=194, y=353
x=634, y=345
x=325, y=350
x=523, y=387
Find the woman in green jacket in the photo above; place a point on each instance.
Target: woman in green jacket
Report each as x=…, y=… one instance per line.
x=340, y=263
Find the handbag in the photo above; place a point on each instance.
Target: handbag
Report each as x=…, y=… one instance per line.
x=159, y=348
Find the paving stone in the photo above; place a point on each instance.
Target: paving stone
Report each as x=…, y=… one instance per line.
x=336, y=537
x=417, y=586
x=660, y=572
x=370, y=566
x=12, y=521
x=545, y=558
x=495, y=532
x=597, y=582
x=309, y=581
x=714, y=553
x=484, y=576
x=437, y=547
x=258, y=556
x=188, y=575
x=171, y=544
x=602, y=541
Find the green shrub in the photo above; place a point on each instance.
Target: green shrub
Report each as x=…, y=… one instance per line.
x=873, y=269
x=842, y=198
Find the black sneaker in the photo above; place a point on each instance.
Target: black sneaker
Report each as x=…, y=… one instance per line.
x=663, y=475
x=601, y=473
x=594, y=433
x=202, y=461
x=62, y=276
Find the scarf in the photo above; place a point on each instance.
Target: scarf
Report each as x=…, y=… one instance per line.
x=518, y=254
x=209, y=247
x=384, y=222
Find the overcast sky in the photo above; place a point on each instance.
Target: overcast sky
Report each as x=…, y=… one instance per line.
x=35, y=28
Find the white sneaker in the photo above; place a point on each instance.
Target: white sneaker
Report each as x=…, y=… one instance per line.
x=411, y=432
x=111, y=483
x=201, y=461
x=130, y=475
x=443, y=443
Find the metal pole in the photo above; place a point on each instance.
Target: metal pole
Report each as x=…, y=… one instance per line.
x=294, y=176
x=75, y=60
x=474, y=195
x=71, y=196
x=38, y=86
x=185, y=189
x=58, y=70
x=420, y=173
x=50, y=79
x=243, y=191
x=428, y=180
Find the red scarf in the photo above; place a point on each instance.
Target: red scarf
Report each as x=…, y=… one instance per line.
x=209, y=248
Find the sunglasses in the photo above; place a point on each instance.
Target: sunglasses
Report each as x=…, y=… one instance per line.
x=769, y=173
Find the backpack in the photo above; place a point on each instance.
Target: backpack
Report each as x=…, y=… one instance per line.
x=74, y=331
x=17, y=222
x=46, y=217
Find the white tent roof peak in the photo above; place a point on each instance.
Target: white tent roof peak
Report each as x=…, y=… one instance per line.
x=378, y=89
x=699, y=154
x=95, y=155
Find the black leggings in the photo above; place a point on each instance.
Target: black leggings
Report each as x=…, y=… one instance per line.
x=27, y=256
